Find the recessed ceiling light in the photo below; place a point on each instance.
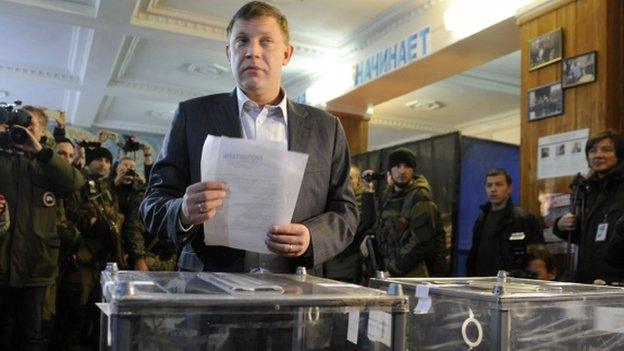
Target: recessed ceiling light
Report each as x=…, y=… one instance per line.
x=204, y=70
x=166, y=115
x=424, y=105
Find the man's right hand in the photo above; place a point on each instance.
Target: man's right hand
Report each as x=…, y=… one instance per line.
x=31, y=145
x=201, y=201
x=567, y=222
x=61, y=120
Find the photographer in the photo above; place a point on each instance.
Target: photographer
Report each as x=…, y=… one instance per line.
x=31, y=179
x=131, y=145
x=130, y=189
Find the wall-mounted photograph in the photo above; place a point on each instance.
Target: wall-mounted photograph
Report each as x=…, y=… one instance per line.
x=545, y=101
x=579, y=70
x=545, y=49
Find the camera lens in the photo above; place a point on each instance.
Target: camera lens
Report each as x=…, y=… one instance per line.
x=18, y=136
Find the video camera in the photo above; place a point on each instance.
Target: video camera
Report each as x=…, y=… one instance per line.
x=369, y=175
x=87, y=144
x=12, y=115
x=130, y=144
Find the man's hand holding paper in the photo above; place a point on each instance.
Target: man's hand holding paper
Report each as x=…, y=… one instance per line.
x=201, y=201
x=254, y=214
x=290, y=240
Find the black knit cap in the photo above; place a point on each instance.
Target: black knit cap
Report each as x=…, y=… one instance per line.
x=92, y=154
x=402, y=155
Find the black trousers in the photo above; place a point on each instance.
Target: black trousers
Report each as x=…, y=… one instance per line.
x=20, y=317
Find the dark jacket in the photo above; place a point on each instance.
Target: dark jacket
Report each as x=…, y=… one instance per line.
x=347, y=265
x=31, y=185
x=604, y=204
x=129, y=197
x=325, y=205
x=615, y=249
x=512, y=253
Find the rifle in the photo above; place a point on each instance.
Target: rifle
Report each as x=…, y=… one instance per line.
x=376, y=262
x=113, y=228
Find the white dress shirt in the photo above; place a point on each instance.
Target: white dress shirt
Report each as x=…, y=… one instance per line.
x=270, y=123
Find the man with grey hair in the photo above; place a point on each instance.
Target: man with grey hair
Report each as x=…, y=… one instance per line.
x=177, y=202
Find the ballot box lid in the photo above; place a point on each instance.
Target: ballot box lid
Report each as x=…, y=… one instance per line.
x=501, y=289
x=133, y=289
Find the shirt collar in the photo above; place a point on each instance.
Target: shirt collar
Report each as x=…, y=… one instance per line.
x=283, y=104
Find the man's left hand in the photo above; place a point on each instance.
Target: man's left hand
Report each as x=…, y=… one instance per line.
x=290, y=240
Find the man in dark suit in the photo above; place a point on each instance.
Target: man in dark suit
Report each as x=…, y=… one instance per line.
x=177, y=202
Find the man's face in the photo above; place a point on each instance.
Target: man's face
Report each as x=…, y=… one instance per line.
x=401, y=174
x=257, y=51
x=601, y=157
x=497, y=189
x=36, y=127
x=354, y=177
x=99, y=167
x=66, y=151
x=124, y=165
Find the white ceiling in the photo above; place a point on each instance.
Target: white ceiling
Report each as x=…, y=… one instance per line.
x=124, y=64
x=485, y=91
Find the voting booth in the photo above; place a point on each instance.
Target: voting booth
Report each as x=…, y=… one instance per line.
x=500, y=313
x=227, y=311
x=455, y=168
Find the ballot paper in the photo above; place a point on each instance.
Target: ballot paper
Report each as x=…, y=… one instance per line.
x=263, y=184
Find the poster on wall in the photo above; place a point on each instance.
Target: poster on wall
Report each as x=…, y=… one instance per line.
x=561, y=155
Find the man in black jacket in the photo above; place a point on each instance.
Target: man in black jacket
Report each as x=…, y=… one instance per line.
x=502, y=232
x=603, y=190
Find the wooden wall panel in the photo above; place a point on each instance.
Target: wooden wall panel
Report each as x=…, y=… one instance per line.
x=587, y=25
x=356, y=129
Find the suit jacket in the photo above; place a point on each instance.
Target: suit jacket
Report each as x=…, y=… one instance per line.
x=326, y=203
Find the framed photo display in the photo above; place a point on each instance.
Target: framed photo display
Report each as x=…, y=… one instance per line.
x=545, y=101
x=579, y=70
x=545, y=49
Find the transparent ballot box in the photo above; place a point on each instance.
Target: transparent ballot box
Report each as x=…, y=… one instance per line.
x=500, y=313
x=228, y=311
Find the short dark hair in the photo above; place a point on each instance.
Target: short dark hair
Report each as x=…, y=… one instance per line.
x=257, y=9
x=540, y=252
x=62, y=139
x=497, y=172
x=615, y=137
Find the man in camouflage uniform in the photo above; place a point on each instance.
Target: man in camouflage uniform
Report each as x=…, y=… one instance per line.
x=409, y=230
x=32, y=178
x=129, y=186
x=95, y=211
